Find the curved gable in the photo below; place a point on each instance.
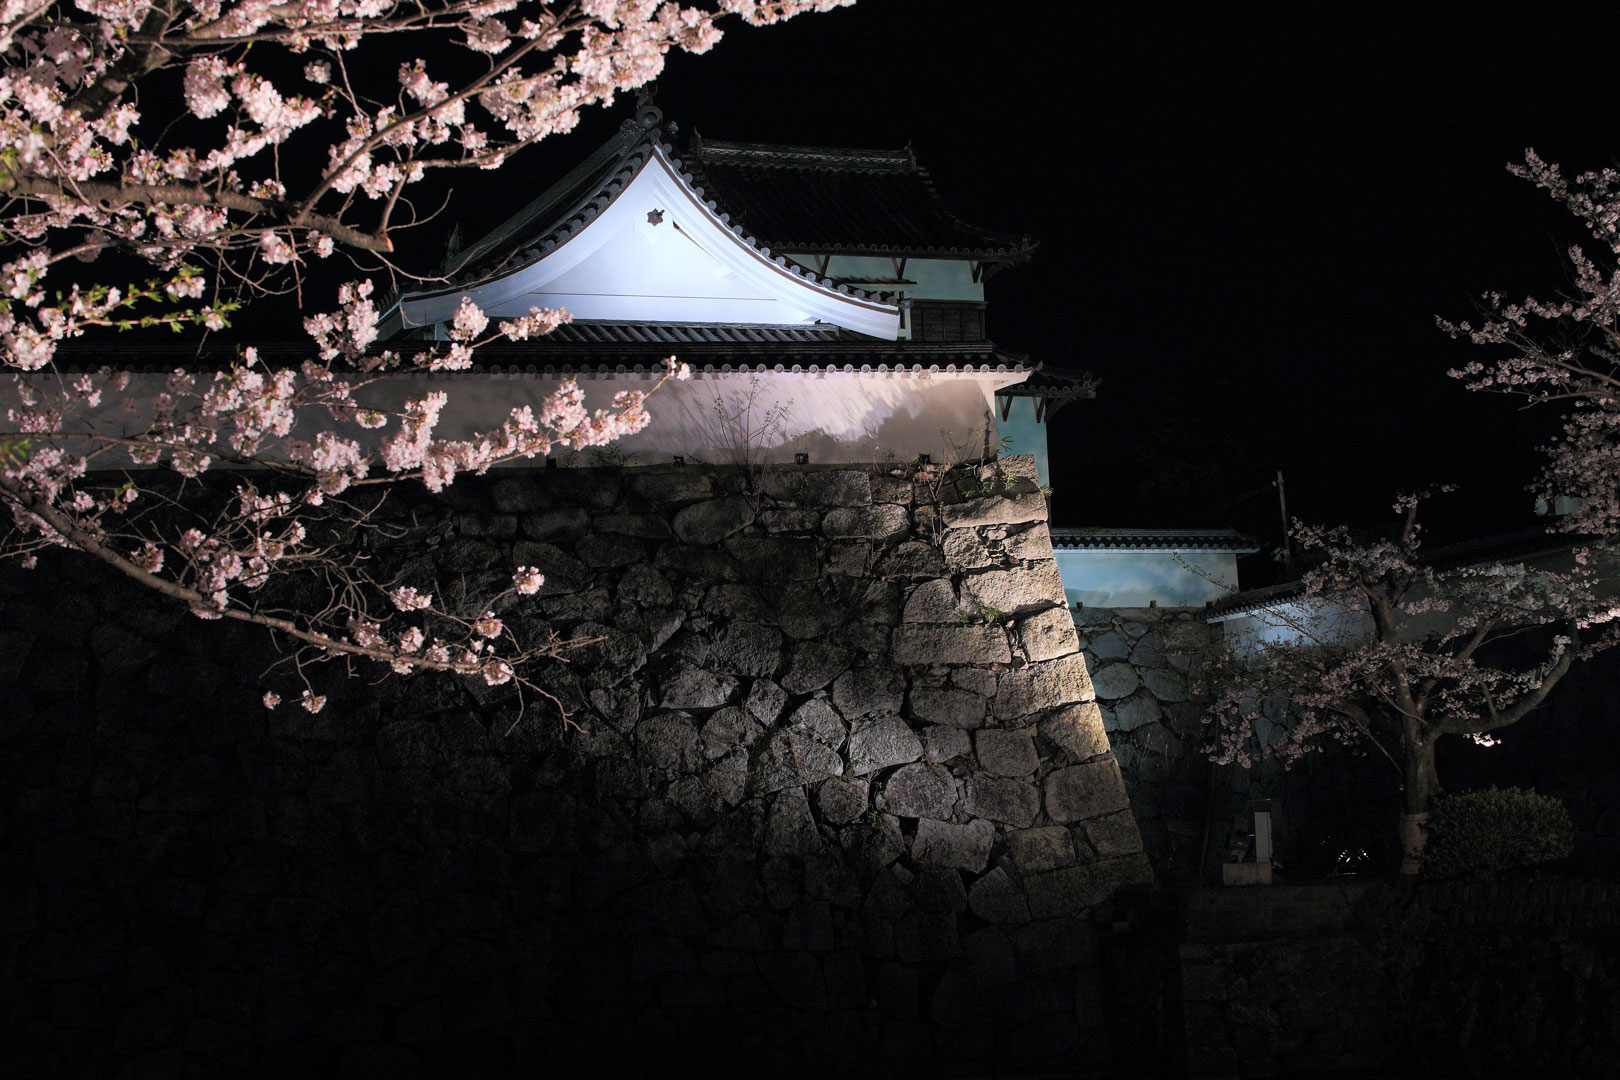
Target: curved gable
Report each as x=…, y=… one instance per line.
x=659, y=253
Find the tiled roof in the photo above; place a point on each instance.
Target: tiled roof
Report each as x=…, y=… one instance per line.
x=583, y=330
x=1056, y=384
x=774, y=198
x=1252, y=600
x=1503, y=547
x=841, y=201
x=1101, y=539
x=809, y=353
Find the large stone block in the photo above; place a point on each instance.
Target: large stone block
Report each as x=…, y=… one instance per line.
x=913, y=558
x=991, y=957
x=996, y=898
x=1006, y=753
x=732, y=601
x=1134, y=712
x=676, y=486
x=936, y=601
x=955, y=708
x=765, y=700
x=841, y=800
x=801, y=611
x=789, y=828
x=1167, y=686
x=669, y=742
x=1032, y=585
x=1052, y=944
x=996, y=510
x=608, y=551
x=964, y=549
x=813, y=665
x=727, y=729
x=1001, y=798
x=701, y=563
x=1114, y=834
x=872, y=844
x=1041, y=686
x=964, y=847
x=1108, y=645
x=642, y=586
x=710, y=522
x=1028, y=543
x=884, y=521
x=1048, y=634
x=792, y=759
x=818, y=720
x=641, y=526
x=747, y=648
x=1077, y=730
x=1113, y=681
x=844, y=488
x=940, y=644
x=775, y=560
x=869, y=691
x=944, y=744
x=689, y=687
x=1085, y=791
x=923, y=936
x=881, y=742
x=1044, y=848
x=1148, y=652
x=919, y=791
x=563, y=523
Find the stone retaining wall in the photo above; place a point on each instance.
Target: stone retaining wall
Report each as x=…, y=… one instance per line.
x=838, y=798
x=1497, y=979
x=1139, y=660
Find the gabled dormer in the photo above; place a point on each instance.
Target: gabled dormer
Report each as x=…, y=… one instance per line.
x=631, y=236
x=869, y=219
x=831, y=289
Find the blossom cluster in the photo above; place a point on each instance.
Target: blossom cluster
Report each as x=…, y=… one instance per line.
x=310, y=426
x=1385, y=648
x=268, y=85
x=1566, y=351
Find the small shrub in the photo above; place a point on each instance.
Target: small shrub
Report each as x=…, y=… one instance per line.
x=1481, y=833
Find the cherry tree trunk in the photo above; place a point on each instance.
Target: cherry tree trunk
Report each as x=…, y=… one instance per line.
x=1421, y=785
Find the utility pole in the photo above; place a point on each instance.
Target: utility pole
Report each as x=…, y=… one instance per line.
x=1282, y=505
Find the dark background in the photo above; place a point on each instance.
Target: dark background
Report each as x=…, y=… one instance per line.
x=1248, y=223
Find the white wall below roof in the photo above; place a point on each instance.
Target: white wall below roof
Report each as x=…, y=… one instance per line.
x=1023, y=434
x=1145, y=578
x=935, y=279
x=1296, y=622
x=832, y=416
x=1300, y=622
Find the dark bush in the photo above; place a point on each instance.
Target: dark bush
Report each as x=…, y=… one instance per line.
x=1482, y=833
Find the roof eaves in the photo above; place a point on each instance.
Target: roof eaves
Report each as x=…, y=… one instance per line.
x=1221, y=541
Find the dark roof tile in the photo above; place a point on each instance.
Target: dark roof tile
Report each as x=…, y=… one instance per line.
x=826, y=200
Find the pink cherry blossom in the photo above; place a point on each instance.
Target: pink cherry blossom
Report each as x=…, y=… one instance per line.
x=264, y=171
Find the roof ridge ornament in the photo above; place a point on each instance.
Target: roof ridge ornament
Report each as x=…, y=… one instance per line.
x=648, y=115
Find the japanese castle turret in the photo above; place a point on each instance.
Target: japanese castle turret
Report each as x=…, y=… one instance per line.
x=830, y=304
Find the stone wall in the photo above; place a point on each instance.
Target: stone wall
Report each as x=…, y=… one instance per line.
x=1139, y=660
x=836, y=797
x=1498, y=979
x=1333, y=811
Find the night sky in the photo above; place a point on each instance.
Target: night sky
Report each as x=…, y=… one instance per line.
x=1248, y=225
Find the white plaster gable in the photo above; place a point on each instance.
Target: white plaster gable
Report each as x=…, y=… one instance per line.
x=683, y=265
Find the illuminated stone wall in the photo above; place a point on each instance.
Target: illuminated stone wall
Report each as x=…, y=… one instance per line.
x=839, y=797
